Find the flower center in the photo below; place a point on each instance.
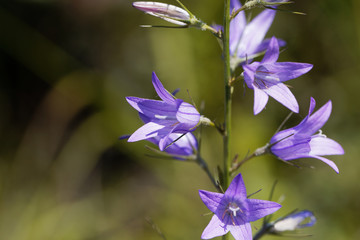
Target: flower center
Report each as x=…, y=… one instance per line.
x=233, y=207
x=265, y=78
x=231, y=210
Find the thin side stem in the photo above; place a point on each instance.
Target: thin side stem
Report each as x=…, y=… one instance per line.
x=261, y=232
x=204, y=166
x=258, y=152
x=237, y=165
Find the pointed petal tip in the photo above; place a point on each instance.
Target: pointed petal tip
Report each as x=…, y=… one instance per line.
x=132, y=139
x=295, y=108
x=328, y=162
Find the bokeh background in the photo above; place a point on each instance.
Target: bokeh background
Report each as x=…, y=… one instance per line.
x=65, y=69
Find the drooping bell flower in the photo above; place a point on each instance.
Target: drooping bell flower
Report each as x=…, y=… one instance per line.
x=163, y=117
x=306, y=139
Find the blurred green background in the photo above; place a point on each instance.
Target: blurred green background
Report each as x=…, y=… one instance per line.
x=65, y=69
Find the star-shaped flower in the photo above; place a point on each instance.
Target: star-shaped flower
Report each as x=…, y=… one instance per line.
x=266, y=78
x=302, y=142
x=163, y=117
x=247, y=39
x=233, y=211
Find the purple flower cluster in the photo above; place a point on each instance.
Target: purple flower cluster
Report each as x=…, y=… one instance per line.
x=168, y=122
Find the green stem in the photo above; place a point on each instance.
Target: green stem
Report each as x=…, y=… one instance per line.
x=227, y=106
x=228, y=100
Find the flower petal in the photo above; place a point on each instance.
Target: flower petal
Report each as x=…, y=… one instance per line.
x=211, y=199
x=165, y=140
x=260, y=100
x=149, y=130
x=272, y=53
x=281, y=93
x=188, y=114
x=161, y=91
x=261, y=208
x=182, y=144
x=214, y=229
x=237, y=26
x=294, y=151
x=235, y=5
x=254, y=33
x=249, y=73
x=288, y=70
x=325, y=146
x=317, y=119
x=280, y=137
x=265, y=45
x=237, y=188
x=327, y=161
x=153, y=109
x=241, y=232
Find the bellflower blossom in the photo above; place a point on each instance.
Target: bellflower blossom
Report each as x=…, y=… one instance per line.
x=247, y=39
x=294, y=221
x=163, y=117
x=302, y=142
x=266, y=78
x=233, y=211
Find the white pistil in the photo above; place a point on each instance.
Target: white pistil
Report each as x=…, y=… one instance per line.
x=234, y=208
x=321, y=134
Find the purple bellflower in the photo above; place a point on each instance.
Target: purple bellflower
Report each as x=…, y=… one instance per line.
x=163, y=117
x=294, y=221
x=247, y=39
x=233, y=211
x=266, y=78
x=302, y=142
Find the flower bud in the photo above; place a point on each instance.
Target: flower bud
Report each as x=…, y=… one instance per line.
x=164, y=11
x=294, y=221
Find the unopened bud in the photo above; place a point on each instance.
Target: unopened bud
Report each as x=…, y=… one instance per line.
x=165, y=11
x=294, y=221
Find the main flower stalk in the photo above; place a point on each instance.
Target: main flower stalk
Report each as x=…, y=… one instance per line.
x=228, y=99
